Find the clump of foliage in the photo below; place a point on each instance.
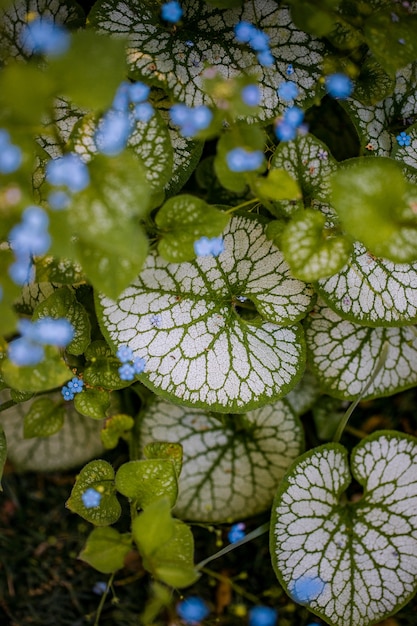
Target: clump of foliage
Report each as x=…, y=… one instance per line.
x=192, y=258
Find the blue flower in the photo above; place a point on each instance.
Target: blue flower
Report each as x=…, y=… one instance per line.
x=138, y=92
x=91, y=498
x=100, y=587
x=244, y=31
x=124, y=354
x=171, y=11
x=287, y=90
x=59, y=200
x=192, y=610
x=67, y=393
x=339, y=86
x=23, y=352
x=138, y=365
x=241, y=160
x=10, y=155
x=76, y=385
x=126, y=372
x=22, y=271
x=289, y=70
x=143, y=112
x=236, y=532
x=209, y=247
x=403, y=139
x=52, y=331
x=293, y=116
x=113, y=132
x=68, y=170
x=251, y=95
x=262, y=616
x=190, y=119
x=43, y=36
x=259, y=41
x=265, y=58
x=122, y=97
x=307, y=588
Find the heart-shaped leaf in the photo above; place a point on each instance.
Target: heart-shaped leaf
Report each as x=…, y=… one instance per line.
x=106, y=549
x=372, y=291
x=174, y=58
x=344, y=355
x=146, y=481
x=44, y=418
x=51, y=372
x=351, y=563
x=220, y=332
x=231, y=463
x=102, y=367
x=75, y=443
x=92, y=403
x=116, y=426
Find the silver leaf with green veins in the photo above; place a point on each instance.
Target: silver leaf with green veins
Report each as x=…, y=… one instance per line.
x=175, y=58
x=203, y=345
x=231, y=466
x=351, y=563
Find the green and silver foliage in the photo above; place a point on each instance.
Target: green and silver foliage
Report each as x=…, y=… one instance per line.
x=231, y=463
x=45, y=434
x=175, y=58
x=352, y=562
x=202, y=346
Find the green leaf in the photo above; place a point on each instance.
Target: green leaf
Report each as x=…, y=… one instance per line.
x=106, y=549
x=202, y=345
x=116, y=427
x=302, y=398
x=63, y=303
x=231, y=463
x=153, y=528
x=105, y=69
x=77, y=442
x=373, y=84
x=344, y=355
x=351, y=563
x=3, y=453
x=165, y=450
x=312, y=251
x=20, y=84
x=31, y=295
x=63, y=271
x=92, y=403
x=146, y=481
x=277, y=185
x=393, y=43
x=174, y=562
x=98, y=475
x=164, y=57
x=375, y=204
x=44, y=418
x=102, y=367
x=372, y=291
x=184, y=219
x=49, y=373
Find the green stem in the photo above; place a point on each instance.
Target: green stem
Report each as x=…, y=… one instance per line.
x=103, y=599
x=7, y=405
x=343, y=422
x=240, y=590
x=252, y=535
x=240, y=206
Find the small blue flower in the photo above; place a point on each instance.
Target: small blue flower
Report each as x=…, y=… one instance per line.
x=143, y=112
x=285, y=131
x=244, y=31
x=23, y=352
x=67, y=393
x=251, y=95
x=43, y=36
x=192, y=610
x=287, y=90
x=113, y=132
x=122, y=97
x=236, y=532
x=139, y=365
x=126, y=372
x=265, y=58
x=241, y=160
x=100, y=587
x=262, y=616
x=22, y=272
x=209, y=247
x=124, y=354
x=307, y=588
x=76, y=384
x=322, y=154
x=289, y=70
x=91, y=498
x=10, y=157
x=190, y=119
x=68, y=170
x=59, y=200
x=403, y=139
x=259, y=41
x=339, y=86
x=53, y=331
x=138, y=92
x=156, y=320
x=171, y=11
x=293, y=116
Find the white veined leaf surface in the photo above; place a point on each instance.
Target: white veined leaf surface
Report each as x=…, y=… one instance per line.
x=351, y=563
x=202, y=345
x=232, y=463
x=372, y=291
x=344, y=355
x=175, y=58
x=373, y=122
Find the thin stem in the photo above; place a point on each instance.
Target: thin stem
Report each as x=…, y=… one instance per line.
x=6, y=405
x=240, y=590
x=343, y=422
x=240, y=206
x=252, y=535
x=103, y=599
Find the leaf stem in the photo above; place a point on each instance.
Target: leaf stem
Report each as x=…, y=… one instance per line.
x=103, y=599
x=252, y=535
x=240, y=206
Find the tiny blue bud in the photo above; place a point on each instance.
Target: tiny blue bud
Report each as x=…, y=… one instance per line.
x=91, y=498
x=289, y=70
x=100, y=587
x=192, y=609
x=262, y=616
x=251, y=95
x=236, y=532
x=287, y=90
x=339, y=86
x=171, y=11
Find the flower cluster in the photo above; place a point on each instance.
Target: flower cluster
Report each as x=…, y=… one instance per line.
x=47, y=331
x=262, y=616
x=171, y=11
x=242, y=160
x=209, y=247
x=403, y=139
x=287, y=126
x=27, y=239
x=245, y=32
x=68, y=171
x=43, y=36
x=236, y=532
x=191, y=119
x=339, y=86
x=10, y=155
x=192, y=610
x=129, y=105
x=131, y=365
x=91, y=498
x=74, y=386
